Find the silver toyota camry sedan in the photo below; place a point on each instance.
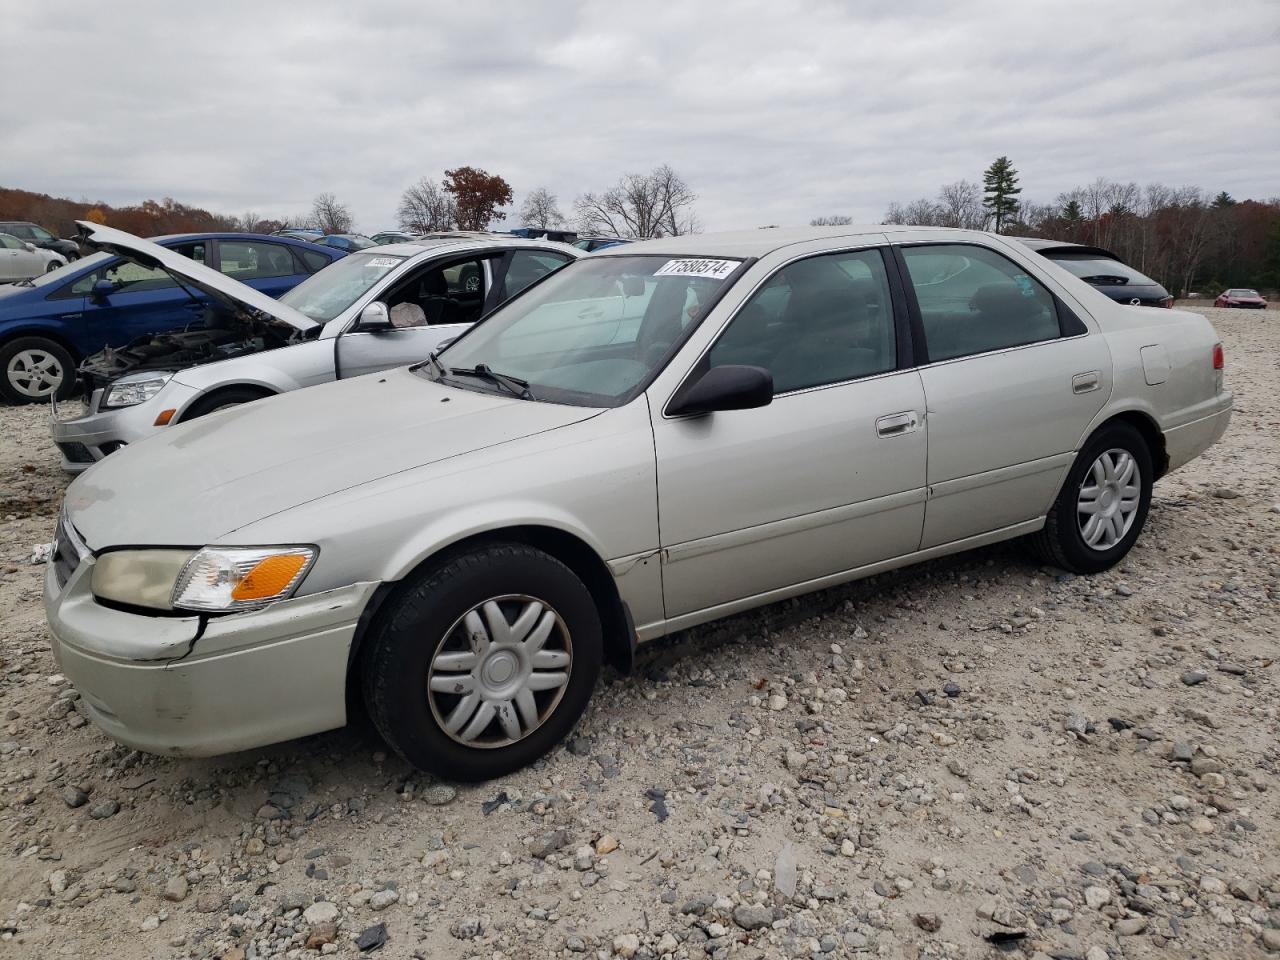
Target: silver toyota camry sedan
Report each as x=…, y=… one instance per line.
x=653, y=437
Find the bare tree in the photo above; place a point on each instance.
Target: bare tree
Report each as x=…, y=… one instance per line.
x=960, y=204
x=657, y=204
x=330, y=214
x=831, y=220
x=425, y=208
x=540, y=209
x=920, y=213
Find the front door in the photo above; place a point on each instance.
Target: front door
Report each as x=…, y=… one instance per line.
x=827, y=478
x=428, y=308
x=1013, y=380
x=143, y=300
x=16, y=261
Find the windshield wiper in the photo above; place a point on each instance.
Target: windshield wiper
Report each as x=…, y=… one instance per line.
x=512, y=384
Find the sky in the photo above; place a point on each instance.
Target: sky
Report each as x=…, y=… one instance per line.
x=773, y=112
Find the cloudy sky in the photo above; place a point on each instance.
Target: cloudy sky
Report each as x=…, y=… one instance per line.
x=774, y=112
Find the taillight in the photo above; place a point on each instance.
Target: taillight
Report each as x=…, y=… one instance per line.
x=1168, y=303
x=1219, y=361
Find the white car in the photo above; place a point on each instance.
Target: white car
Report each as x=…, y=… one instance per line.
x=20, y=260
x=658, y=435
x=373, y=309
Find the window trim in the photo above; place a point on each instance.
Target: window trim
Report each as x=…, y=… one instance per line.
x=1063, y=314
x=904, y=347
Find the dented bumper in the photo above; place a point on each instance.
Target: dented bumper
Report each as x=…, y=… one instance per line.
x=168, y=685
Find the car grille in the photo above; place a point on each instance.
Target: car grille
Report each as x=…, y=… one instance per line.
x=76, y=452
x=68, y=551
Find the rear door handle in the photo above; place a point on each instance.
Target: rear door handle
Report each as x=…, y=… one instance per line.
x=896, y=424
x=1085, y=382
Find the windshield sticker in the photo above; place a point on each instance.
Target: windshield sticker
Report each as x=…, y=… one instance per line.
x=383, y=261
x=715, y=269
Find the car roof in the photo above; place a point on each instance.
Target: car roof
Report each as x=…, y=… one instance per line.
x=414, y=248
x=758, y=243
x=228, y=235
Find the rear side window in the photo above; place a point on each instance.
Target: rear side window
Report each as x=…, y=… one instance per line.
x=973, y=300
x=527, y=267
x=254, y=259
x=817, y=321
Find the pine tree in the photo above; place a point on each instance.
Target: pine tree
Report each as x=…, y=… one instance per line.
x=1000, y=184
x=1071, y=212
x=1224, y=199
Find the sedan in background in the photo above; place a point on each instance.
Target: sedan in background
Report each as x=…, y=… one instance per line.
x=592, y=244
x=1104, y=270
x=20, y=260
x=391, y=236
x=1241, y=297
x=371, y=310
x=49, y=324
x=346, y=242
x=38, y=236
x=656, y=436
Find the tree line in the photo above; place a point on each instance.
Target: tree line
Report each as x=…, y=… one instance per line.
x=1185, y=238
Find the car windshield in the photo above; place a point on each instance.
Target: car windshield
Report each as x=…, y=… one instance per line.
x=326, y=293
x=1242, y=293
x=359, y=243
x=595, y=332
x=1099, y=269
x=75, y=268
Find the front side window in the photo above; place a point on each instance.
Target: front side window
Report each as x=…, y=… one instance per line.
x=597, y=330
x=973, y=300
x=450, y=293
x=254, y=259
x=526, y=268
x=10, y=242
x=21, y=231
x=324, y=295
x=129, y=277
x=313, y=260
x=817, y=321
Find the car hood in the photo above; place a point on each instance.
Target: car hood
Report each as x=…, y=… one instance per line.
x=209, y=281
x=193, y=483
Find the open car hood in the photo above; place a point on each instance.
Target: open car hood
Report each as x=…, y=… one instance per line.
x=187, y=271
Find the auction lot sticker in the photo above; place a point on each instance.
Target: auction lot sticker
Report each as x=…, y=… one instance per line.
x=715, y=269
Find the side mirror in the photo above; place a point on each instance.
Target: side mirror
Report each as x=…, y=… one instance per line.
x=103, y=289
x=31, y=247
x=725, y=388
x=374, y=318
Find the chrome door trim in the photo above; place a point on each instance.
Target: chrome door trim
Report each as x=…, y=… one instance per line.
x=945, y=488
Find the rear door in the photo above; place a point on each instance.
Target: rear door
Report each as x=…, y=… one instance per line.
x=265, y=265
x=431, y=305
x=1014, y=376
x=144, y=299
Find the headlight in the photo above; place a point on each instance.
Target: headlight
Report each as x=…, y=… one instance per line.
x=127, y=393
x=214, y=579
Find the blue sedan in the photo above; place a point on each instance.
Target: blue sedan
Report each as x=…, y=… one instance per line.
x=48, y=324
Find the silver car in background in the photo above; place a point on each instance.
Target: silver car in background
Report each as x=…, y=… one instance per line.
x=371, y=310
x=658, y=435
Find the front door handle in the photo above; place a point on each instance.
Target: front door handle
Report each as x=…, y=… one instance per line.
x=896, y=424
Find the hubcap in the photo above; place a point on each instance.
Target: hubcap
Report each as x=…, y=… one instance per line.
x=501, y=671
x=1108, y=500
x=34, y=373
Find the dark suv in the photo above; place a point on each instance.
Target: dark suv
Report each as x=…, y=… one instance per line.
x=38, y=236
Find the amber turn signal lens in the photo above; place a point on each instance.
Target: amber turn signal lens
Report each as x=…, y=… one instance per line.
x=165, y=417
x=269, y=577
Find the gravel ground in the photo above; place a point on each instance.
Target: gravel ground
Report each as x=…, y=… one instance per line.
x=972, y=756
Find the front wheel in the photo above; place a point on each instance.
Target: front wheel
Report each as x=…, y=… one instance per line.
x=33, y=369
x=1103, y=505
x=484, y=663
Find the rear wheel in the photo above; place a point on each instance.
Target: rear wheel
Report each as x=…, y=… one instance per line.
x=53, y=265
x=1103, y=505
x=483, y=664
x=34, y=369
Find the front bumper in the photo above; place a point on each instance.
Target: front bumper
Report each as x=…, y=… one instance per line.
x=85, y=439
x=165, y=685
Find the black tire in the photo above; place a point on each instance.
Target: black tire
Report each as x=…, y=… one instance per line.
x=231, y=397
x=53, y=265
x=1061, y=541
x=414, y=624
x=15, y=390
